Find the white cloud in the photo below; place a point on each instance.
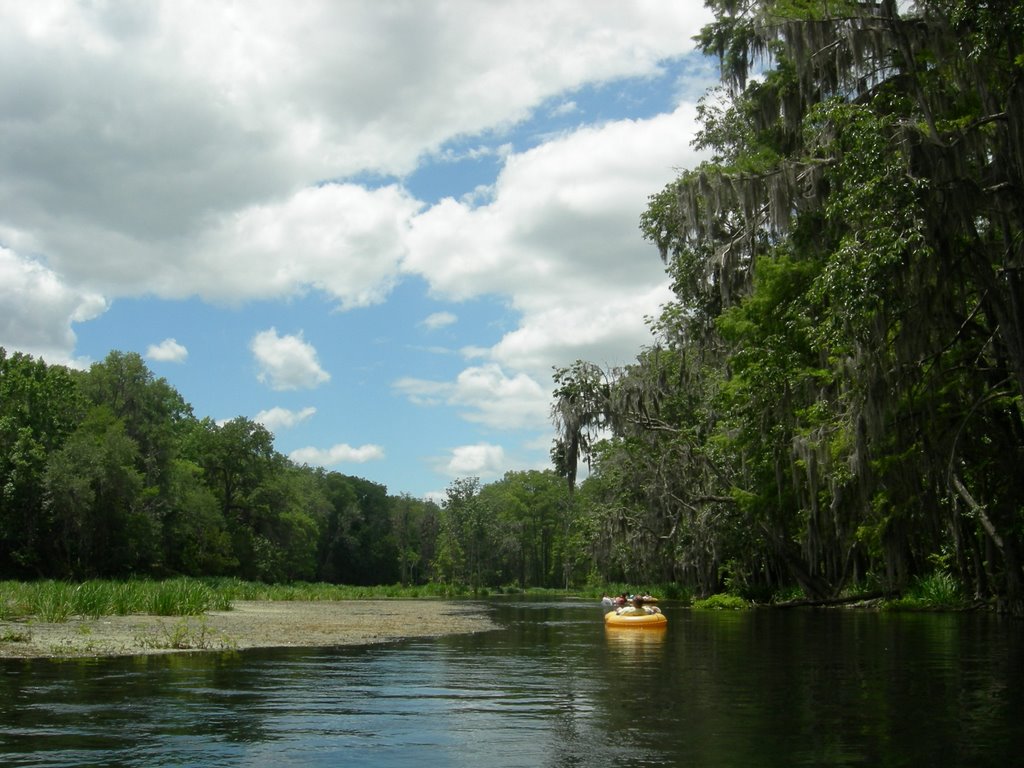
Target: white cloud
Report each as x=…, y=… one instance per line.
x=501, y=401
x=37, y=309
x=563, y=224
x=423, y=392
x=282, y=418
x=486, y=395
x=342, y=239
x=565, y=108
x=337, y=454
x=439, y=320
x=167, y=351
x=611, y=331
x=240, y=152
x=197, y=167
x=482, y=460
x=286, y=362
x=560, y=239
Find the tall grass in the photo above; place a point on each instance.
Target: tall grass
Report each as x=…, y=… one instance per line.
x=57, y=601
x=937, y=591
x=236, y=589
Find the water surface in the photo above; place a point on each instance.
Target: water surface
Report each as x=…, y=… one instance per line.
x=551, y=687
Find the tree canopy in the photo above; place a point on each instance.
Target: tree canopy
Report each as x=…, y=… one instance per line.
x=107, y=473
x=834, y=398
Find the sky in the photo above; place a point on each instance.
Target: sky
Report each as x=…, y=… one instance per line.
x=373, y=227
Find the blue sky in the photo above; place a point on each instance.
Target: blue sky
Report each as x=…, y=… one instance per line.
x=374, y=227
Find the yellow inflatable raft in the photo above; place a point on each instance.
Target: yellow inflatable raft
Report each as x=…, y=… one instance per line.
x=635, y=619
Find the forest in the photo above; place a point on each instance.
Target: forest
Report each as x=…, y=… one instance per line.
x=833, y=399
x=831, y=405
x=106, y=473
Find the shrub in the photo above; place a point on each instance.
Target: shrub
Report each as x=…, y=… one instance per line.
x=721, y=602
x=937, y=591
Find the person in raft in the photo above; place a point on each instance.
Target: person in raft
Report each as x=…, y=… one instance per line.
x=637, y=607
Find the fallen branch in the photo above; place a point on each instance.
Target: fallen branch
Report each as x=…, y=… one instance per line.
x=832, y=600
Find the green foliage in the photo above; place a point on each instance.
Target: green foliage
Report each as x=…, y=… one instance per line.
x=721, y=602
x=15, y=636
x=847, y=364
x=57, y=601
x=531, y=530
x=935, y=591
x=40, y=406
x=182, y=597
x=54, y=602
x=187, y=635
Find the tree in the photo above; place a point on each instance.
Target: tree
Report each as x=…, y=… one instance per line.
x=898, y=139
x=92, y=495
x=529, y=527
x=40, y=406
x=150, y=408
x=357, y=545
x=838, y=386
x=414, y=529
x=196, y=541
x=464, y=538
x=237, y=460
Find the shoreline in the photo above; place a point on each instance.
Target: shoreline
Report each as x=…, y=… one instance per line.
x=249, y=624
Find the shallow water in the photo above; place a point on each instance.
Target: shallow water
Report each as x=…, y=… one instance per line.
x=551, y=687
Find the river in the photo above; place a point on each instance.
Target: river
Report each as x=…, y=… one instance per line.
x=551, y=687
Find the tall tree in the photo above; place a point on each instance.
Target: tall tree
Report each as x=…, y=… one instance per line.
x=40, y=407
x=463, y=553
x=93, y=493
x=149, y=407
x=847, y=267
x=529, y=527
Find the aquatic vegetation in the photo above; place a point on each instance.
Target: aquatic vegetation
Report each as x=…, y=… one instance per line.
x=57, y=601
x=937, y=591
x=721, y=602
x=187, y=635
x=15, y=636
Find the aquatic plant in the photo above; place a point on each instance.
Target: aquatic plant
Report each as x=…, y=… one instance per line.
x=937, y=591
x=721, y=602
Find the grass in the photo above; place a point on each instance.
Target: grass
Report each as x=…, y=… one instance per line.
x=187, y=634
x=15, y=636
x=936, y=592
x=57, y=601
x=235, y=589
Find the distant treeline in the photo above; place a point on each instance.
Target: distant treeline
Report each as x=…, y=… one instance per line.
x=107, y=473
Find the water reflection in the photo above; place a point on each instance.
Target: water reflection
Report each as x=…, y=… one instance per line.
x=636, y=645
x=553, y=687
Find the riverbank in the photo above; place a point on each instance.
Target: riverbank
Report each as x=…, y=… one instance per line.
x=249, y=624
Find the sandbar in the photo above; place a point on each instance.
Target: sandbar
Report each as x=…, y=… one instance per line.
x=249, y=624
